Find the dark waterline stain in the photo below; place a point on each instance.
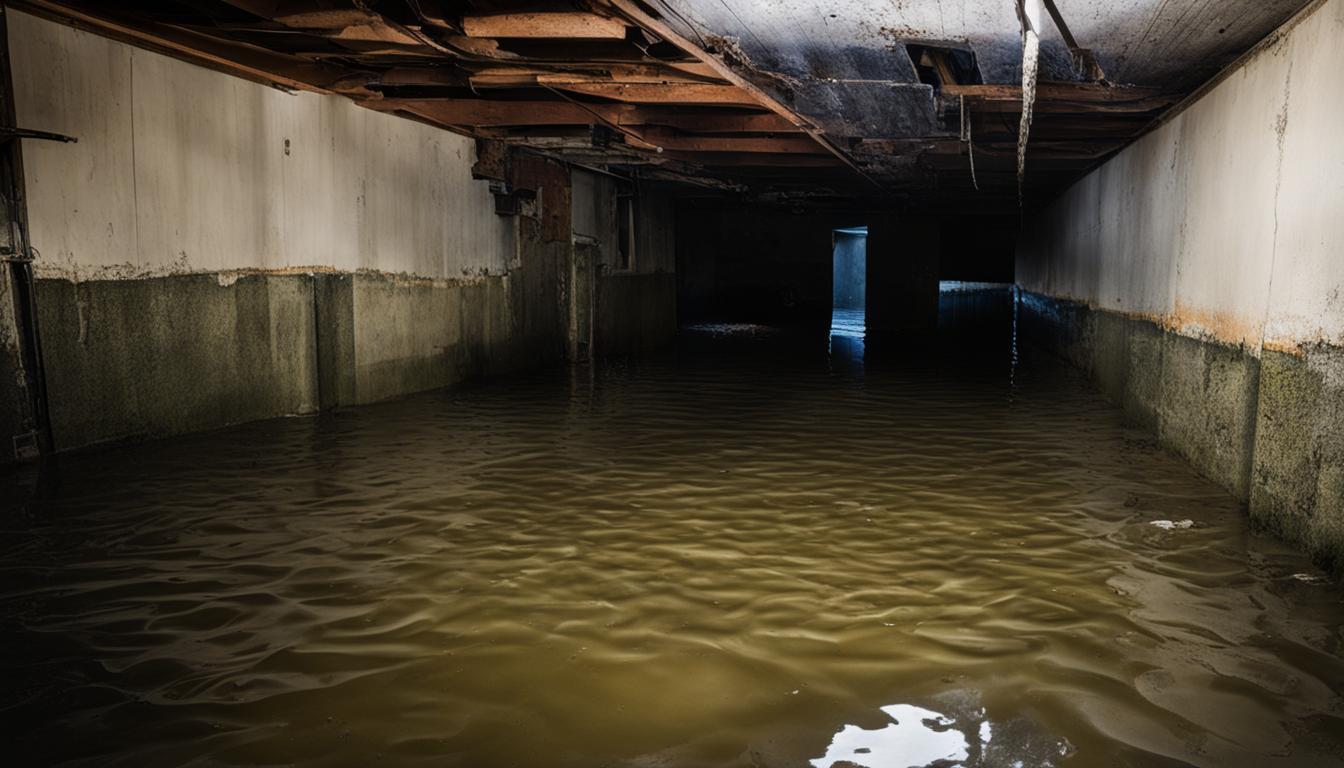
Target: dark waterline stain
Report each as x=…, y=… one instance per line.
x=759, y=551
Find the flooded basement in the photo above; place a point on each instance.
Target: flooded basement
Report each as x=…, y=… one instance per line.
x=757, y=551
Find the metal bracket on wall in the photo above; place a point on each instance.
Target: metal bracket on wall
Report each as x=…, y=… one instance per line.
x=9, y=134
x=11, y=256
x=27, y=446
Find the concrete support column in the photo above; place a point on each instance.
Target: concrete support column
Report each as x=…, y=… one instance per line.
x=24, y=428
x=902, y=294
x=16, y=417
x=584, y=257
x=334, y=335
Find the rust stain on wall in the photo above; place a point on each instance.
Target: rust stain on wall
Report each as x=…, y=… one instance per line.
x=1214, y=325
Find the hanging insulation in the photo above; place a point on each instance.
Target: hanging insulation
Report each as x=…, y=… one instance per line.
x=966, y=137
x=1029, y=13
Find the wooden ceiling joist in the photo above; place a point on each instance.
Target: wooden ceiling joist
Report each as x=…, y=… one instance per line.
x=522, y=78
x=1059, y=97
x=547, y=79
x=663, y=93
x=498, y=113
x=655, y=26
x=781, y=145
x=493, y=113
x=552, y=25
x=705, y=121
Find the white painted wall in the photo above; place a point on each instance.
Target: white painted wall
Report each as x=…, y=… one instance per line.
x=1227, y=222
x=183, y=169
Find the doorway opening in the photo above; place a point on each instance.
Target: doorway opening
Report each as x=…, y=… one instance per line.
x=849, y=278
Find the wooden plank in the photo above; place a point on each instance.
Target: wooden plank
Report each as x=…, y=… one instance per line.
x=782, y=145
x=497, y=113
x=1059, y=97
x=492, y=113
x=503, y=77
x=633, y=12
x=708, y=122
x=667, y=72
x=1054, y=90
x=557, y=25
x=669, y=93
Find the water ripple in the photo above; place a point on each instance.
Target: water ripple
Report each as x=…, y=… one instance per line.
x=742, y=556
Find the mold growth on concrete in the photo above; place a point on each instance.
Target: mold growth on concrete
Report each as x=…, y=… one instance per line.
x=1297, y=480
x=1197, y=275
x=1269, y=428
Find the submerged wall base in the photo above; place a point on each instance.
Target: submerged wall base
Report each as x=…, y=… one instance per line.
x=1268, y=428
x=130, y=359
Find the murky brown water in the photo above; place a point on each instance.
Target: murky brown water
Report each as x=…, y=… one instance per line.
x=750, y=555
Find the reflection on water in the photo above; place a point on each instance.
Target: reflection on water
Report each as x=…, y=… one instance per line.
x=847, y=323
x=751, y=553
x=915, y=736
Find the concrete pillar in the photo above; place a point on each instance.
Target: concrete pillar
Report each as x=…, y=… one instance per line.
x=16, y=418
x=902, y=293
x=24, y=430
x=583, y=258
x=334, y=318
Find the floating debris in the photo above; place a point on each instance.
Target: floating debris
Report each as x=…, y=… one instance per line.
x=1309, y=578
x=1168, y=525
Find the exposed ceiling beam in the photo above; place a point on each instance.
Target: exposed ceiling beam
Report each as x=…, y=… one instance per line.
x=557, y=25
x=501, y=77
x=634, y=13
x=709, y=122
x=497, y=113
x=662, y=93
x=662, y=72
x=1059, y=97
x=783, y=145
x=494, y=113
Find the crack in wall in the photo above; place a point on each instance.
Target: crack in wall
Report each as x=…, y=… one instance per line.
x=1280, y=130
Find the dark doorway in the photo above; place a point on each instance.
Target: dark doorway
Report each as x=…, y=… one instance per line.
x=849, y=271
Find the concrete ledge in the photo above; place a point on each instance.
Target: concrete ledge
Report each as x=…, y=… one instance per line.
x=1268, y=428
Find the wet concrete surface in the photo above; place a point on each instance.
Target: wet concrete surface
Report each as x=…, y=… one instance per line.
x=759, y=550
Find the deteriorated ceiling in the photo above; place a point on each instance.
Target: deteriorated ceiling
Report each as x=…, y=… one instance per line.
x=917, y=100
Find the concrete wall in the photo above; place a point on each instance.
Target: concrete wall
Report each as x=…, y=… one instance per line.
x=1200, y=275
x=213, y=250
x=635, y=306
x=182, y=169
